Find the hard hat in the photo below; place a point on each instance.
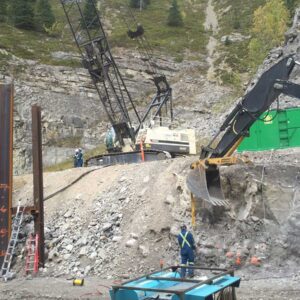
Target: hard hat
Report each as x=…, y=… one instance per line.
x=77, y=150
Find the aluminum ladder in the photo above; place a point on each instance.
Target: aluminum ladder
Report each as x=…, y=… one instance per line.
x=5, y=269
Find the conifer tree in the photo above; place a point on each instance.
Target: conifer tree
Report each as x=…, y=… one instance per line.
x=3, y=10
x=43, y=15
x=21, y=14
x=134, y=3
x=139, y=3
x=290, y=5
x=175, y=17
x=90, y=15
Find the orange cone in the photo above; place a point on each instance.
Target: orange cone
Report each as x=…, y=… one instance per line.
x=238, y=259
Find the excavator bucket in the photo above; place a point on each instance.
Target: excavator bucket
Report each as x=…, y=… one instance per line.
x=205, y=184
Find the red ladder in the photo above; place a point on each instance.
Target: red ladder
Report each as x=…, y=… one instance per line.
x=32, y=259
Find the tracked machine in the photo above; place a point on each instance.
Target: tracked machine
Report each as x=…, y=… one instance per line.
x=131, y=132
x=204, y=179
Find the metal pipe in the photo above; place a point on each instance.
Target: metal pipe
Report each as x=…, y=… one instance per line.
x=173, y=279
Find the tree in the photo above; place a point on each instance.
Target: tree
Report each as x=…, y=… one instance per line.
x=269, y=25
x=90, y=15
x=21, y=14
x=43, y=15
x=3, y=10
x=290, y=4
x=175, y=17
x=139, y=3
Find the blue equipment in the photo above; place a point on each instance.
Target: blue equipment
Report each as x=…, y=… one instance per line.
x=168, y=285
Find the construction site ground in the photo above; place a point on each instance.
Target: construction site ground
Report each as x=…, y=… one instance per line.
x=116, y=223
x=95, y=288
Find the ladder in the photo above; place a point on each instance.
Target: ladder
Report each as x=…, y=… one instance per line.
x=5, y=270
x=32, y=259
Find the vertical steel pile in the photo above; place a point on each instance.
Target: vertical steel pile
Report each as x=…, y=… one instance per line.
x=38, y=193
x=6, y=164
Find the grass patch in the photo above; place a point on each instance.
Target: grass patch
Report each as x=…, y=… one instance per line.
x=33, y=45
x=69, y=163
x=37, y=46
x=172, y=40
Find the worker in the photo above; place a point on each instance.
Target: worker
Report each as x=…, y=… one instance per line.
x=187, y=247
x=75, y=158
x=80, y=158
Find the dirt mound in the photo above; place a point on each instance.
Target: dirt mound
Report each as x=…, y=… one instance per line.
x=121, y=220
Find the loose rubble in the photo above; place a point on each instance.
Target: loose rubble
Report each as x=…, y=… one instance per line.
x=104, y=227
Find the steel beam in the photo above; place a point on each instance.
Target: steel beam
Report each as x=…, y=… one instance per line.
x=6, y=165
x=38, y=189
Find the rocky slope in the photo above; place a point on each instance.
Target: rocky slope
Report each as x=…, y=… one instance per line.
x=73, y=115
x=120, y=221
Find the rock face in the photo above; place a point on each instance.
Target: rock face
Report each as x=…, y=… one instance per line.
x=72, y=112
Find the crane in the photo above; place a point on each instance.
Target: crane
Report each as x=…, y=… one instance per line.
x=91, y=40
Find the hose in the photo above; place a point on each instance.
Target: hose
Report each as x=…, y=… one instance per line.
x=73, y=182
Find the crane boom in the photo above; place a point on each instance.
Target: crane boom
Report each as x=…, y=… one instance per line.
x=88, y=32
x=91, y=40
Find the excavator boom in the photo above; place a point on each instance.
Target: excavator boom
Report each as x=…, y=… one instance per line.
x=204, y=180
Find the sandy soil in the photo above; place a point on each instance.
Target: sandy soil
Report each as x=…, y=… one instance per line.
x=94, y=288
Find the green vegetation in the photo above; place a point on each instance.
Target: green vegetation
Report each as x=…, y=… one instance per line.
x=43, y=15
x=174, y=17
x=69, y=163
x=90, y=16
x=269, y=25
x=139, y=3
x=21, y=14
x=3, y=10
x=171, y=40
x=265, y=21
x=34, y=45
x=291, y=5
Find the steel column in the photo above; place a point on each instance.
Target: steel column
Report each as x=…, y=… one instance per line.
x=6, y=165
x=38, y=194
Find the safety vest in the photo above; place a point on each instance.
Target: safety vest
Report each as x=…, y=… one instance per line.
x=184, y=240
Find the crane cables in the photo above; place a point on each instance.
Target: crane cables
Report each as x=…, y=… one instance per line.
x=145, y=50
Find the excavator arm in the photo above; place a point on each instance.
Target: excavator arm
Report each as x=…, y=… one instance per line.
x=204, y=180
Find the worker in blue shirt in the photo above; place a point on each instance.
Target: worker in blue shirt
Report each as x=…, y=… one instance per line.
x=187, y=246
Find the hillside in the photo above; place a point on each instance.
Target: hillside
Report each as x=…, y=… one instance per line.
x=207, y=76
x=187, y=42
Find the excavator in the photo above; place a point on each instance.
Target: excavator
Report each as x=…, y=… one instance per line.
x=204, y=179
x=131, y=132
